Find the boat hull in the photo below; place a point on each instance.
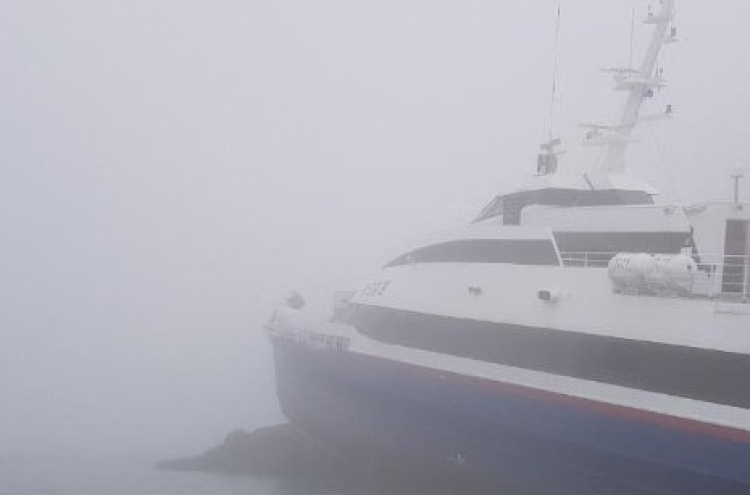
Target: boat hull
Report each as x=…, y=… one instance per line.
x=395, y=413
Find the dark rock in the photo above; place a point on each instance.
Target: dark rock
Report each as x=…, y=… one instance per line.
x=275, y=452
x=301, y=466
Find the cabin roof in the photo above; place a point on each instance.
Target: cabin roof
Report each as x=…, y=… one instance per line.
x=585, y=182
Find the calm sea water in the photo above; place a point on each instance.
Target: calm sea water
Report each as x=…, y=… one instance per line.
x=60, y=476
x=34, y=476
x=104, y=476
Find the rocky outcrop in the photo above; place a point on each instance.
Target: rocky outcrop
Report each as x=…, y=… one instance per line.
x=275, y=452
x=299, y=465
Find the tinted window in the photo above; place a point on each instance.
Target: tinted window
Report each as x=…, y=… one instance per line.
x=519, y=252
x=511, y=205
x=622, y=242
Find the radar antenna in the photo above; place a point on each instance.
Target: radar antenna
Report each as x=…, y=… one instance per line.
x=640, y=84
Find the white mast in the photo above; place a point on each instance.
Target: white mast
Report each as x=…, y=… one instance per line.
x=640, y=84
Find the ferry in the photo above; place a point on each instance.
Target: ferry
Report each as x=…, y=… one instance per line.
x=579, y=336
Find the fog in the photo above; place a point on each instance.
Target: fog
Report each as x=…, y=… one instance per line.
x=170, y=169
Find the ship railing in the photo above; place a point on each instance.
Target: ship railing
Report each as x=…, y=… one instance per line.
x=729, y=278
x=718, y=276
x=587, y=259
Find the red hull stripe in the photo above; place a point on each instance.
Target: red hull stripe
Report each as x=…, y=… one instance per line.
x=621, y=412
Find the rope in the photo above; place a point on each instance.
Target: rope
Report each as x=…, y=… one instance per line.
x=632, y=40
x=553, y=97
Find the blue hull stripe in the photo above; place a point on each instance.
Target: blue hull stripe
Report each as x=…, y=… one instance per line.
x=443, y=419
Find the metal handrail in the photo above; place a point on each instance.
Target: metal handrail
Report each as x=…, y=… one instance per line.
x=722, y=276
x=587, y=259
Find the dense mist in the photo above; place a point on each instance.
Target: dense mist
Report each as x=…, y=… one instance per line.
x=168, y=170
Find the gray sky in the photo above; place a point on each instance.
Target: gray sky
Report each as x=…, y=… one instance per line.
x=169, y=169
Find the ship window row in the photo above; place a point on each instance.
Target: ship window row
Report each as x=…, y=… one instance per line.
x=543, y=252
x=511, y=251
x=700, y=374
x=510, y=205
x=603, y=246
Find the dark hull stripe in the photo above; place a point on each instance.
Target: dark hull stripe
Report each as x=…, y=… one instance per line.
x=700, y=374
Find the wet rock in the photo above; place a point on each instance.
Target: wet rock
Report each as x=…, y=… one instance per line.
x=275, y=452
x=302, y=467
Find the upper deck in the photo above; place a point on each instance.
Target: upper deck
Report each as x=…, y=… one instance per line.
x=728, y=279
